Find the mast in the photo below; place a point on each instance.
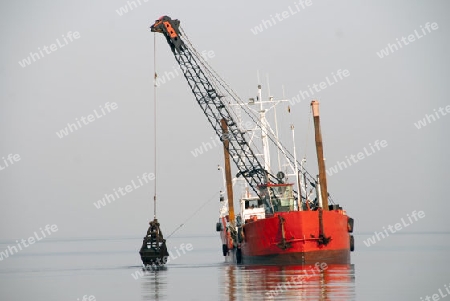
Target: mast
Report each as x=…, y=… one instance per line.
x=226, y=154
x=320, y=159
x=276, y=122
x=264, y=138
x=297, y=180
x=276, y=132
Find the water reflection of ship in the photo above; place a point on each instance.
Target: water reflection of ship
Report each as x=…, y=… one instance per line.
x=253, y=282
x=154, y=285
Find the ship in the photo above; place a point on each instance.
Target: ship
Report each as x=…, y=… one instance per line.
x=285, y=217
x=276, y=227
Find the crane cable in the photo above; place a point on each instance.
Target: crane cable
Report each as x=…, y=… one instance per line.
x=193, y=214
x=219, y=81
x=154, y=119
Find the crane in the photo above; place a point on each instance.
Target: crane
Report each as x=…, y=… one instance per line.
x=215, y=98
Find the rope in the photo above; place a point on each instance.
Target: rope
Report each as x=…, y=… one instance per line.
x=154, y=119
x=193, y=214
x=219, y=80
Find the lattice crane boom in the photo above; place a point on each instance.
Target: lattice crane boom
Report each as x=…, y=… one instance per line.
x=214, y=97
x=213, y=103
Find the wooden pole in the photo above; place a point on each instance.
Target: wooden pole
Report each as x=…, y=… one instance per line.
x=228, y=178
x=320, y=159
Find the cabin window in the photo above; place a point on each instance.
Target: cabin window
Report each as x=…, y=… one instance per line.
x=277, y=198
x=250, y=204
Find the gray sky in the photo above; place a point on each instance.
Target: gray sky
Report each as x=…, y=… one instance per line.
x=57, y=180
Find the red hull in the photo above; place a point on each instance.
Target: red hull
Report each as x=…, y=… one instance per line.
x=263, y=239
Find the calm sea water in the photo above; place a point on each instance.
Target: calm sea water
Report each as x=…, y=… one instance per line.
x=400, y=267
